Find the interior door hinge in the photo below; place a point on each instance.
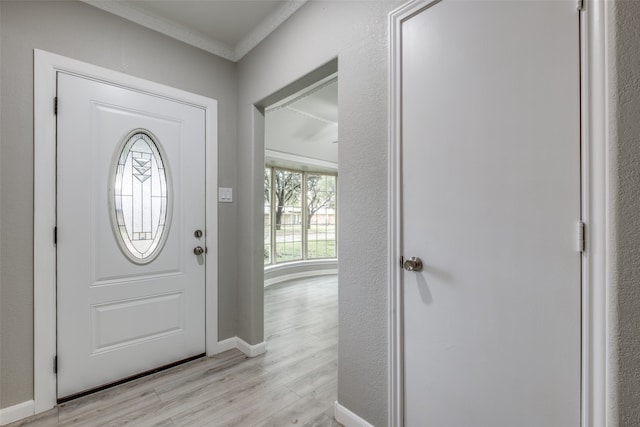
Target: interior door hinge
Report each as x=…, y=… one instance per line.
x=55, y=105
x=580, y=6
x=55, y=235
x=55, y=364
x=582, y=236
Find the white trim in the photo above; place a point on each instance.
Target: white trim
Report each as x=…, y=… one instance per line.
x=594, y=93
x=168, y=27
x=139, y=15
x=211, y=230
x=394, y=189
x=266, y=27
x=225, y=345
x=44, y=219
x=299, y=275
x=46, y=66
x=301, y=160
x=249, y=349
x=16, y=412
x=242, y=345
x=348, y=418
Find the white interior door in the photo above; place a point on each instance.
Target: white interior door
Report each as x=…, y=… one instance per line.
x=491, y=203
x=130, y=196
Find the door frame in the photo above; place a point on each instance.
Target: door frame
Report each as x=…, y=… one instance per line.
x=594, y=172
x=46, y=67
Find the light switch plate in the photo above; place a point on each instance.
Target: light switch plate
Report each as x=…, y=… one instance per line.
x=225, y=195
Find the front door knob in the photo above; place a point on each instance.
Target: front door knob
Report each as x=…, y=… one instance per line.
x=198, y=250
x=413, y=264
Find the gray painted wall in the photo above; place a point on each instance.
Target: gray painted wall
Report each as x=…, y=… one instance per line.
x=356, y=33
x=1, y=293
x=624, y=161
x=85, y=33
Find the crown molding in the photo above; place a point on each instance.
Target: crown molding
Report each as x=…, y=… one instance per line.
x=165, y=26
x=168, y=27
x=266, y=27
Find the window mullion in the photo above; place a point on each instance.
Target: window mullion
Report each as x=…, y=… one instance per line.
x=335, y=213
x=304, y=215
x=273, y=215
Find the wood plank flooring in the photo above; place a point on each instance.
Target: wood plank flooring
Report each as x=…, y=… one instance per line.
x=293, y=383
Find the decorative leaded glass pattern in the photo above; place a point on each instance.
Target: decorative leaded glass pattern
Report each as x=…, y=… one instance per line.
x=140, y=197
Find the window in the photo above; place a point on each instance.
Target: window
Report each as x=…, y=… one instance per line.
x=267, y=216
x=321, y=216
x=299, y=215
x=287, y=218
x=140, y=198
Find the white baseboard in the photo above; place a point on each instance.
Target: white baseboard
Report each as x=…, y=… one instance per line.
x=16, y=412
x=348, y=418
x=300, y=275
x=240, y=344
x=251, y=350
x=224, y=345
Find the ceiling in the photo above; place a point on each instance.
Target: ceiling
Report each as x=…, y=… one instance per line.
x=227, y=28
x=305, y=125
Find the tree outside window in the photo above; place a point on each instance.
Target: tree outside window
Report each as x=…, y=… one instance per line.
x=321, y=216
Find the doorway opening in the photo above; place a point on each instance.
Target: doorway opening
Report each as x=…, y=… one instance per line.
x=301, y=183
x=301, y=219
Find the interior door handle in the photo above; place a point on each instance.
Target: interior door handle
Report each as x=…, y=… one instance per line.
x=413, y=264
x=199, y=250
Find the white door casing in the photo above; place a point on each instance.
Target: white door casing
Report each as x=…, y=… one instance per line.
x=120, y=314
x=491, y=202
x=46, y=68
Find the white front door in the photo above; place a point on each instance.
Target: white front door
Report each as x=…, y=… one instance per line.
x=491, y=204
x=130, y=197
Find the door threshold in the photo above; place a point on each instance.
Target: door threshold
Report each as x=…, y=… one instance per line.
x=128, y=379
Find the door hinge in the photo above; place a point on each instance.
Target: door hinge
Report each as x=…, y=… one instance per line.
x=55, y=364
x=582, y=236
x=55, y=105
x=55, y=235
x=580, y=5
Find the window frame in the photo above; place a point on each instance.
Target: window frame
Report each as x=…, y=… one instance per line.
x=304, y=216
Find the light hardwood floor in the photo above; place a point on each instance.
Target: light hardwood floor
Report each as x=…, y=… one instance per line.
x=293, y=383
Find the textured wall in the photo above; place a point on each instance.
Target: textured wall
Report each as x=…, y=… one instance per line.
x=356, y=33
x=82, y=32
x=624, y=69
x=1, y=295
x=363, y=279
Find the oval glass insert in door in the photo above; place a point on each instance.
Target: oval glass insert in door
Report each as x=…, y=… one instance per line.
x=140, y=197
